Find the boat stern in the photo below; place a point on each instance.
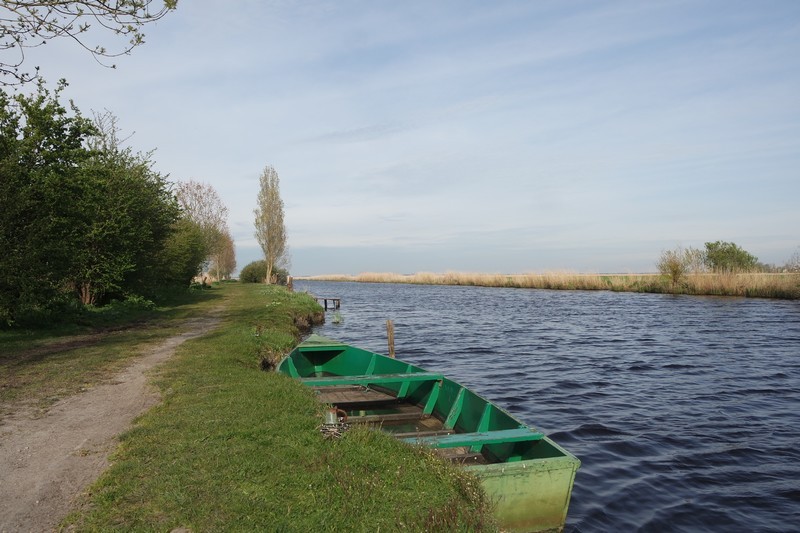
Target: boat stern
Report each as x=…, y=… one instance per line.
x=533, y=494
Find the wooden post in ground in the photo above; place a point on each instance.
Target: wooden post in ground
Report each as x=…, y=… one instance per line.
x=290, y=284
x=390, y=334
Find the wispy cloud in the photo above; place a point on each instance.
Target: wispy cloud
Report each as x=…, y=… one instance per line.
x=359, y=134
x=511, y=127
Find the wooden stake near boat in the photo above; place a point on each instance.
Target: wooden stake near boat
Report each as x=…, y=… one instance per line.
x=528, y=476
x=390, y=335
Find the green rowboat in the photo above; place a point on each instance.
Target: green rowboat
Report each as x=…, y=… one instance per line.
x=528, y=476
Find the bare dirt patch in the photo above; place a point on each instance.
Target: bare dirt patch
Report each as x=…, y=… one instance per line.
x=47, y=461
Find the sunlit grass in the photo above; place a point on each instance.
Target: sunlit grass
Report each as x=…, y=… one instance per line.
x=759, y=285
x=234, y=448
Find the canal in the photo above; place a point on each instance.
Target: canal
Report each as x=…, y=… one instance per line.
x=684, y=410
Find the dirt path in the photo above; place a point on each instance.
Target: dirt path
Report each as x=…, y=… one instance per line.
x=46, y=462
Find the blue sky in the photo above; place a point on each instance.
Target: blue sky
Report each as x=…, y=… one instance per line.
x=525, y=136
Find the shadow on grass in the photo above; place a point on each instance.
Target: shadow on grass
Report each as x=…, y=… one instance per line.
x=90, y=326
x=38, y=366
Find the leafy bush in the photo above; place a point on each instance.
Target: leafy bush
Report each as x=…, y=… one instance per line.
x=728, y=257
x=183, y=254
x=677, y=263
x=280, y=275
x=80, y=216
x=256, y=272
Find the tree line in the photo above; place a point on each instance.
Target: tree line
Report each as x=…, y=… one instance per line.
x=84, y=220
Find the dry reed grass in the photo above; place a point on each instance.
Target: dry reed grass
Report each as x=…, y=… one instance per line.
x=754, y=285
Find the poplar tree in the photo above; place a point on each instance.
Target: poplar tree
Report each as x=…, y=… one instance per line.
x=270, y=230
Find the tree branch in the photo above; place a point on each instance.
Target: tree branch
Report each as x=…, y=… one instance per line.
x=29, y=24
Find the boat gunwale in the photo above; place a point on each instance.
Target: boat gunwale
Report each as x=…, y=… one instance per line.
x=319, y=343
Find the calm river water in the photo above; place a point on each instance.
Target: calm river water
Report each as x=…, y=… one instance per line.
x=685, y=411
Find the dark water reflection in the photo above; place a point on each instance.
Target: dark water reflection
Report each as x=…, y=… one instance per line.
x=685, y=411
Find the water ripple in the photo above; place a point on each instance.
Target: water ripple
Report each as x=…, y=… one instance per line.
x=685, y=411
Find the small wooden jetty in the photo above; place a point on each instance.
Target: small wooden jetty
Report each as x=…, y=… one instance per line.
x=336, y=303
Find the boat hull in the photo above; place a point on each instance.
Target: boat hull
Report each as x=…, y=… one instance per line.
x=532, y=495
x=528, y=477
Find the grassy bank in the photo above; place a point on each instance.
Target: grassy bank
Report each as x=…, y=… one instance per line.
x=754, y=285
x=232, y=447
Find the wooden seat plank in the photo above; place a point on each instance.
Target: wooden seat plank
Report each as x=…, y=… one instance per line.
x=353, y=396
x=372, y=379
x=461, y=455
x=418, y=434
x=402, y=413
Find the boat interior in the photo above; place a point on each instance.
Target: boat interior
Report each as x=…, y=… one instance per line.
x=414, y=405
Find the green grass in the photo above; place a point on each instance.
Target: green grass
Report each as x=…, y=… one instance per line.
x=113, y=317
x=234, y=448
x=40, y=365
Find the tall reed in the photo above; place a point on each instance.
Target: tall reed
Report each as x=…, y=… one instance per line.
x=755, y=285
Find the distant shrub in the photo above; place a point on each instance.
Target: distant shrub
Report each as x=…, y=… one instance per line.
x=280, y=276
x=254, y=272
x=724, y=256
x=673, y=264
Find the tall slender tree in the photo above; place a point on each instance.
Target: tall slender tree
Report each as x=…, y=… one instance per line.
x=270, y=229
